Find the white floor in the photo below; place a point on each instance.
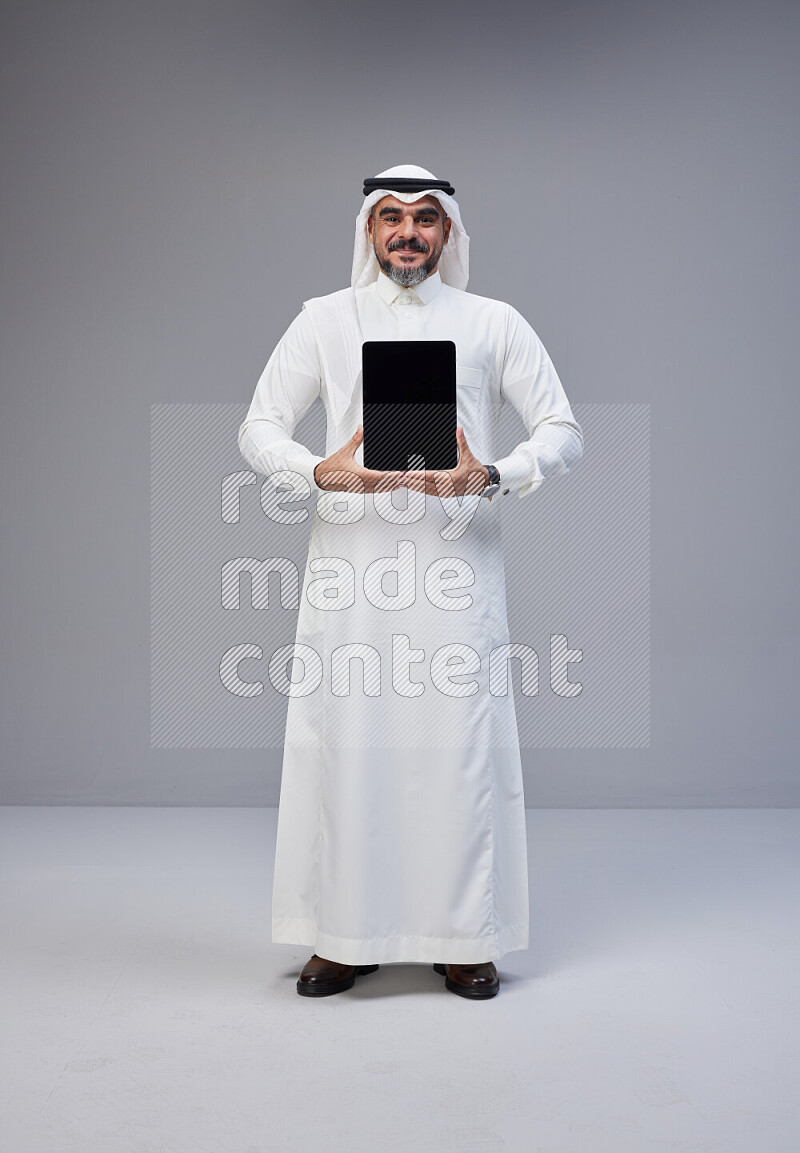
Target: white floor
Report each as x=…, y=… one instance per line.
x=145, y=1009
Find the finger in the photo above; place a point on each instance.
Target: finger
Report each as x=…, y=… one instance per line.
x=353, y=444
x=347, y=477
x=388, y=481
x=372, y=473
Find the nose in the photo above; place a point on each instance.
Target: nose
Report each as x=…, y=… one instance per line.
x=409, y=228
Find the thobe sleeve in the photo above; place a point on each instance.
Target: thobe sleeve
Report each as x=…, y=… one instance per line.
x=286, y=389
x=528, y=380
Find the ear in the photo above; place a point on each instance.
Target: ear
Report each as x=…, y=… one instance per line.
x=447, y=224
x=370, y=223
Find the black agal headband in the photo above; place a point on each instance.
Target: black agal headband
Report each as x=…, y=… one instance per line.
x=407, y=184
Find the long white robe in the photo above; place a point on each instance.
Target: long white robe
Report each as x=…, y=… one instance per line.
x=401, y=826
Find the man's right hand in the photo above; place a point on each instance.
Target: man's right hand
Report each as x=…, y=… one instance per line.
x=340, y=472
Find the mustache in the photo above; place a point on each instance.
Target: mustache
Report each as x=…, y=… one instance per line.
x=411, y=245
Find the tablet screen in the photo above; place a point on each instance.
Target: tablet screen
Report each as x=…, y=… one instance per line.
x=409, y=404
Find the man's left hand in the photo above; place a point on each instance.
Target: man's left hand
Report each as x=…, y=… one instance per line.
x=469, y=475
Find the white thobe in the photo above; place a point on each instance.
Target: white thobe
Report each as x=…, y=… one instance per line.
x=401, y=824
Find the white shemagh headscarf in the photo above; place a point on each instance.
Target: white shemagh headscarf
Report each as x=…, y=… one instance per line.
x=454, y=261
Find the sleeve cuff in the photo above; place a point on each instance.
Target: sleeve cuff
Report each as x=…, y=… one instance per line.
x=268, y=453
x=515, y=471
x=305, y=467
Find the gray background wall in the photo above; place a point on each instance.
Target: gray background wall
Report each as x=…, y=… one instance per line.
x=177, y=177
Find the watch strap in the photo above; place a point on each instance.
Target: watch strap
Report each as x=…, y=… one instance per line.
x=491, y=489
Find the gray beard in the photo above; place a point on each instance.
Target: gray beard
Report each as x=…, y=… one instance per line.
x=407, y=277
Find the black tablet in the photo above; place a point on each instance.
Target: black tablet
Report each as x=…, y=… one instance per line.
x=409, y=404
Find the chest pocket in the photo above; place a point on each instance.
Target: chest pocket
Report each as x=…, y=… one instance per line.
x=468, y=378
x=469, y=405
x=469, y=392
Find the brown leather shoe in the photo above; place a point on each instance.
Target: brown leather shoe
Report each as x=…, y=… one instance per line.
x=321, y=978
x=476, y=981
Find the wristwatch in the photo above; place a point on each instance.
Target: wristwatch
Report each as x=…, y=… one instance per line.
x=494, y=482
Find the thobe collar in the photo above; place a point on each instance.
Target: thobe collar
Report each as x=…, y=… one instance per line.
x=422, y=293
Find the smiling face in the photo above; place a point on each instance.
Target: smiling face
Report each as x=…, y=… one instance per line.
x=408, y=238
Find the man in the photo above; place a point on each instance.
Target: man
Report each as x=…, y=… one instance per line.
x=401, y=825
